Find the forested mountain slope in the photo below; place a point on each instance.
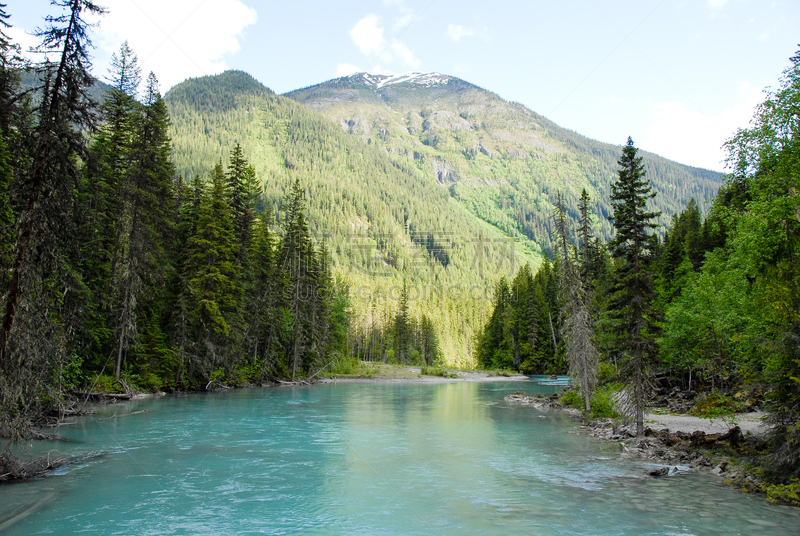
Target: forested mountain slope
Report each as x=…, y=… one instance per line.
x=425, y=179
x=501, y=161
x=384, y=221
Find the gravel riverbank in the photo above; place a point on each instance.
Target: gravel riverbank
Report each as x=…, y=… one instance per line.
x=676, y=443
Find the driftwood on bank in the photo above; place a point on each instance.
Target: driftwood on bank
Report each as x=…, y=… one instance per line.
x=115, y=416
x=299, y=382
x=99, y=395
x=12, y=467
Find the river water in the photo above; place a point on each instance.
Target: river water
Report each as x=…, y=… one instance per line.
x=370, y=459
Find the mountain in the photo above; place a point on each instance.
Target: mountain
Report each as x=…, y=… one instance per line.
x=384, y=221
x=499, y=160
x=420, y=179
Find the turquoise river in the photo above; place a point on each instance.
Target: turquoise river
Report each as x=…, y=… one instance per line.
x=365, y=459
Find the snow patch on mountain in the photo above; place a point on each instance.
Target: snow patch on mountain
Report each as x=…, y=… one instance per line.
x=422, y=79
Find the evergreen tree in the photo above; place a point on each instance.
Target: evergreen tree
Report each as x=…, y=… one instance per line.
x=589, y=255
x=191, y=198
x=429, y=341
x=262, y=307
x=242, y=194
x=43, y=305
x=296, y=261
x=631, y=304
x=495, y=345
x=403, y=328
x=212, y=280
x=146, y=218
x=9, y=129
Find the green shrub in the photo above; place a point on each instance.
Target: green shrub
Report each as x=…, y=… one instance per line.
x=502, y=372
x=350, y=366
x=606, y=372
x=437, y=371
x=602, y=401
x=344, y=366
x=784, y=493
x=572, y=398
x=245, y=374
x=106, y=384
x=716, y=406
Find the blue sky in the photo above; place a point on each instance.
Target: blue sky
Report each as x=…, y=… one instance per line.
x=677, y=76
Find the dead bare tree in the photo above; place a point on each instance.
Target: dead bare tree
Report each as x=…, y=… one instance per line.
x=577, y=328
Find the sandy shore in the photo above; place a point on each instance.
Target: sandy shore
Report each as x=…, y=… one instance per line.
x=400, y=374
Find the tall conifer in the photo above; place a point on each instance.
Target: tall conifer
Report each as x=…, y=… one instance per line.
x=632, y=302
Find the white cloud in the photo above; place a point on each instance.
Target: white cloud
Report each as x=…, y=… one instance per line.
x=456, y=32
x=717, y=4
x=405, y=54
x=368, y=35
x=402, y=22
x=176, y=39
x=694, y=138
x=346, y=69
x=25, y=41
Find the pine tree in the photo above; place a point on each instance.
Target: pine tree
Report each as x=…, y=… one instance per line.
x=587, y=252
x=9, y=123
x=403, y=329
x=64, y=105
x=212, y=279
x=43, y=302
x=632, y=302
x=191, y=196
x=146, y=218
x=429, y=341
x=495, y=347
x=296, y=259
x=263, y=307
x=242, y=194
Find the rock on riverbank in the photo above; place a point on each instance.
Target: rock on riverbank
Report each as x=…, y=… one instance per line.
x=689, y=442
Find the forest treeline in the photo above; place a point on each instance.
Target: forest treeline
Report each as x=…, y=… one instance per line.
x=712, y=308
x=120, y=274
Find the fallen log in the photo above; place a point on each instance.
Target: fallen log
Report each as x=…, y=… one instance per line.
x=92, y=394
x=115, y=416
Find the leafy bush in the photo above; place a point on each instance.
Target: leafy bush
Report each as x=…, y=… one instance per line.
x=784, y=493
x=350, y=366
x=716, y=406
x=606, y=372
x=602, y=401
x=146, y=380
x=572, y=398
x=244, y=374
x=438, y=371
x=502, y=372
x=106, y=384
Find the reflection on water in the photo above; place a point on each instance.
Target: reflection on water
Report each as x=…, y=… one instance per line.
x=385, y=459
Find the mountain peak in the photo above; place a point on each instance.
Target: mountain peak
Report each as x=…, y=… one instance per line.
x=415, y=77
